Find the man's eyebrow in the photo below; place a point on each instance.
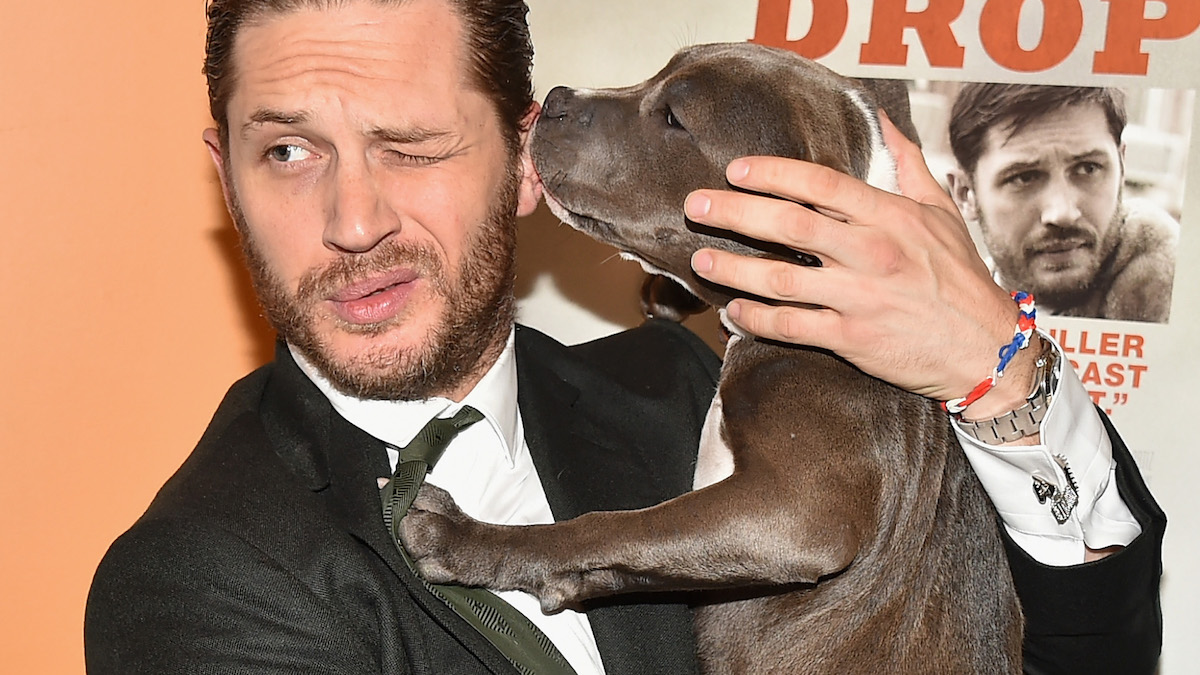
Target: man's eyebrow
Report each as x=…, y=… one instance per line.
x=408, y=134
x=1020, y=165
x=413, y=134
x=270, y=116
x=1090, y=155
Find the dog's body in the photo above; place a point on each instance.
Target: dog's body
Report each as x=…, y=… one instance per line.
x=835, y=512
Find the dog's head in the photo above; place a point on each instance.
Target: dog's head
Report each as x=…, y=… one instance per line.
x=618, y=163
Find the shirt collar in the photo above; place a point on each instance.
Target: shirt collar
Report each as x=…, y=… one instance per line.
x=398, y=422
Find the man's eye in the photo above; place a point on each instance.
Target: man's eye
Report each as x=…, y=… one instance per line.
x=1023, y=179
x=1088, y=168
x=288, y=153
x=408, y=159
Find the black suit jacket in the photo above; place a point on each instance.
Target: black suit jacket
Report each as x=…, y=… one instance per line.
x=266, y=552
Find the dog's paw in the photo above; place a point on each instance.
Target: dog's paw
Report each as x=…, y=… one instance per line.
x=433, y=499
x=441, y=539
x=449, y=547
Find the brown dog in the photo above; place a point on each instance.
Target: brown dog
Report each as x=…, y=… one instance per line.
x=841, y=507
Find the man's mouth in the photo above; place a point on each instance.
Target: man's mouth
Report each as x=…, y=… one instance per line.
x=1061, y=253
x=376, y=299
x=1060, y=246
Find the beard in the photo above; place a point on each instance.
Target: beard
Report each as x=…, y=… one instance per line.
x=478, y=311
x=1060, y=289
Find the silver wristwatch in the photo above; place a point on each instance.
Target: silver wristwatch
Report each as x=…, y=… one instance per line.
x=1027, y=419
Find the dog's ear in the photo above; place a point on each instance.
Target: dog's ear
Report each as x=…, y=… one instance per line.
x=892, y=97
x=664, y=298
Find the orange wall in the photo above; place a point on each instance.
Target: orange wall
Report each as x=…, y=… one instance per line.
x=116, y=260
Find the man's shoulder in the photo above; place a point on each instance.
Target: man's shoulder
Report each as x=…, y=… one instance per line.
x=653, y=382
x=646, y=350
x=657, y=359
x=234, y=458
x=233, y=493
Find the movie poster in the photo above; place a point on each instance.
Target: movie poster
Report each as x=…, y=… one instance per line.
x=1126, y=323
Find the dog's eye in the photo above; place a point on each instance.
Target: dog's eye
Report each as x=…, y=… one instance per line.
x=672, y=120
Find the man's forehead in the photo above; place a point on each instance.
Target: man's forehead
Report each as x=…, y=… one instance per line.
x=361, y=39
x=1085, y=119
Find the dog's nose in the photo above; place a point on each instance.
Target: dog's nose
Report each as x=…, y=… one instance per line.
x=557, y=102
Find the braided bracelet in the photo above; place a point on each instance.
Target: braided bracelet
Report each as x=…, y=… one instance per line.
x=1026, y=322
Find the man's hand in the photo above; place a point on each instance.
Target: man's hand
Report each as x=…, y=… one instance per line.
x=903, y=294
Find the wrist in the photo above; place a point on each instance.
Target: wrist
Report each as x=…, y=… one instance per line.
x=1026, y=324
x=1009, y=421
x=1013, y=388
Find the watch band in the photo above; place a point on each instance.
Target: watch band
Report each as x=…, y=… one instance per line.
x=1027, y=419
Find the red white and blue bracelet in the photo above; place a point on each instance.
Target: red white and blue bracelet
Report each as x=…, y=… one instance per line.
x=1026, y=323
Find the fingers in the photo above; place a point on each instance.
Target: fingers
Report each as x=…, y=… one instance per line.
x=775, y=220
x=765, y=278
x=807, y=326
x=893, y=266
x=840, y=199
x=836, y=194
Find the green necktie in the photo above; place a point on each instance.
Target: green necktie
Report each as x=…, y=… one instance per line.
x=510, y=631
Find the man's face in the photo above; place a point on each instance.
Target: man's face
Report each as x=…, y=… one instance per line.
x=1047, y=199
x=374, y=194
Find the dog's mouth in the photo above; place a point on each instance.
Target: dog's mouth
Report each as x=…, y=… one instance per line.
x=601, y=229
x=605, y=231
x=596, y=227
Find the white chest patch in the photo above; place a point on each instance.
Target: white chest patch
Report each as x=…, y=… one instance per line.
x=714, y=462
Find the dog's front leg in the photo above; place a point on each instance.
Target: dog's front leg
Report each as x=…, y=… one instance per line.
x=692, y=542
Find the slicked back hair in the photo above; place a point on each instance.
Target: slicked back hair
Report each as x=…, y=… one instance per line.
x=496, y=32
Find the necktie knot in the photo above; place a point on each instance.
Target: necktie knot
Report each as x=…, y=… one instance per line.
x=433, y=439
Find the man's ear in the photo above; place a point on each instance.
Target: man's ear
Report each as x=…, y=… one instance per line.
x=529, y=193
x=963, y=193
x=212, y=140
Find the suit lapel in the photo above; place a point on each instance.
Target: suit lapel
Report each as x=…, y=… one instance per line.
x=586, y=464
x=335, y=459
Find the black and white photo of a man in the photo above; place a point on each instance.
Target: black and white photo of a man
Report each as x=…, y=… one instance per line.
x=1041, y=169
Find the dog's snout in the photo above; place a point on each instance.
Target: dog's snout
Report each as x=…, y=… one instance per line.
x=562, y=104
x=557, y=102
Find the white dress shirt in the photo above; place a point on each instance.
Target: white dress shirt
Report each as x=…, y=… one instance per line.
x=488, y=470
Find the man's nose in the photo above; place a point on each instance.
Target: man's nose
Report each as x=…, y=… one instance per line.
x=358, y=215
x=1060, y=203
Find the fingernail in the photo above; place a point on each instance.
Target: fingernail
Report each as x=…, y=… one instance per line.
x=733, y=310
x=696, y=205
x=737, y=170
x=702, y=261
